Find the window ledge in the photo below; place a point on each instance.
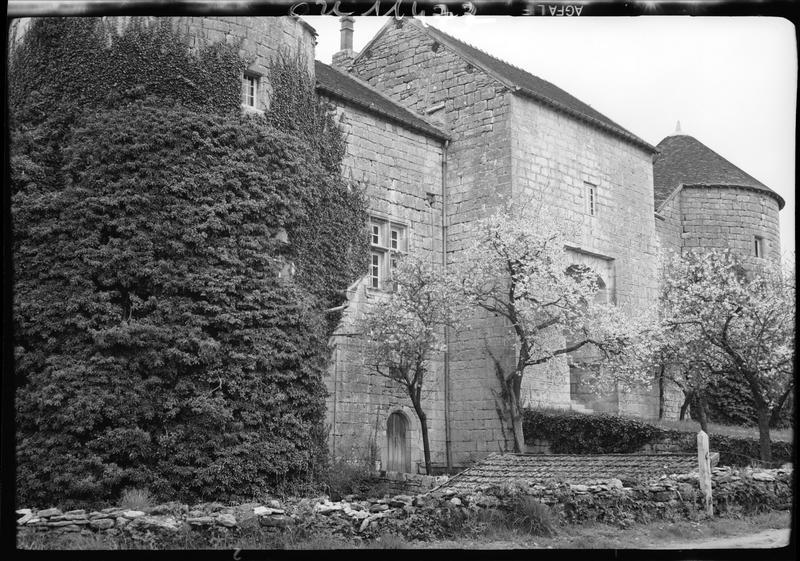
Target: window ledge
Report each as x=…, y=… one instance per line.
x=251, y=110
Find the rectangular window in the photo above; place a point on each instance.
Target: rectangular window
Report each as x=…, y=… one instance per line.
x=375, y=270
x=249, y=90
x=591, y=199
x=388, y=242
x=759, y=247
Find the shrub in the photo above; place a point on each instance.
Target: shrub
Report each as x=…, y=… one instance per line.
x=136, y=499
x=576, y=433
x=531, y=516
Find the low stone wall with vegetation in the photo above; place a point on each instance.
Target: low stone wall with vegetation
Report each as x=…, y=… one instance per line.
x=439, y=513
x=395, y=482
x=567, y=432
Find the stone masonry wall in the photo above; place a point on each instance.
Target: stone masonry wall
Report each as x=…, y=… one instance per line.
x=668, y=225
x=554, y=158
x=422, y=74
x=397, y=168
x=729, y=217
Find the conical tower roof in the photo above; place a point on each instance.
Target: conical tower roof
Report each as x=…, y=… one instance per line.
x=682, y=159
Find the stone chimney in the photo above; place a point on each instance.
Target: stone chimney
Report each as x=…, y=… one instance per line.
x=344, y=58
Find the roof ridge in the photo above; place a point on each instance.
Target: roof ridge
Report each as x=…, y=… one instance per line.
x=498, y=59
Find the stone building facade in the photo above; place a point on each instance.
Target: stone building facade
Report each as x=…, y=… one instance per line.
x=440, y=134
x=513, y=138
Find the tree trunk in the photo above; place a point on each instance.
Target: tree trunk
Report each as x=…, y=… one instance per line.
x=702, y=411
x=661, y=396
x=687, y=400
x=775, y=416
x=764, y=442
x=516, y=415
x=519, y=437
x=423, y=426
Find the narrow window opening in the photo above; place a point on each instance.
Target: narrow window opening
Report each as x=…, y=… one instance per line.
x=250, y=90
x=758, y=247
x=591, y=199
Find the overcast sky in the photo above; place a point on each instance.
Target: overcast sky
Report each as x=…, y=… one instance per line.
x=732, y=82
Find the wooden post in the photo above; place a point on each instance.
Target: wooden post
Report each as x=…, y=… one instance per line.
x=704, y=470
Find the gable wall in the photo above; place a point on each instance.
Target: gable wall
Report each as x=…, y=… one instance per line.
x=555, y=155
x=403, y=65
x=396, y=167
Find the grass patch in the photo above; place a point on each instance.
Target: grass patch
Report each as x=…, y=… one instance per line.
x=783, y=435
x=136, y=499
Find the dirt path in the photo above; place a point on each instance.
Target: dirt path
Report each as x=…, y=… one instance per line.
x=765, y=539
x=762, y=540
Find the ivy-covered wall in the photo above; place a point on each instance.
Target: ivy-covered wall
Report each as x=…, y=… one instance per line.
x=161, y=340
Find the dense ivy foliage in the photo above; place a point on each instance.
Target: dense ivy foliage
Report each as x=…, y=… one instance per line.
x=160, y=339
x=577, y=433
x=330, y=246
x=85, y=63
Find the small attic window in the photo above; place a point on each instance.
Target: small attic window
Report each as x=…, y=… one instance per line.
x=435, y=46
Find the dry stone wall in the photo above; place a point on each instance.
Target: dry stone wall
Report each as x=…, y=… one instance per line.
x=434, y=514
x=398, y=169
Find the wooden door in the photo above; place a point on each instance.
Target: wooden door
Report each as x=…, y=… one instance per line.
x=399, y=458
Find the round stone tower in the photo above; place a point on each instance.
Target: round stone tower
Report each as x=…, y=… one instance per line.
x=261, y=40
x=707, y=202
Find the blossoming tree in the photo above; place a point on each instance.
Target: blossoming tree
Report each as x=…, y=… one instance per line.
x=405, y=330
x=730, y=319
x=519, y=270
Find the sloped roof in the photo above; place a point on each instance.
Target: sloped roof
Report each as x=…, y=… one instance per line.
x=499, y=469
x=532, y=86
x=684, y=160
x=347, y=87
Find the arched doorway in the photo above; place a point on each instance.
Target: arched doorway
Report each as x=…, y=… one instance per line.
x=398, y=454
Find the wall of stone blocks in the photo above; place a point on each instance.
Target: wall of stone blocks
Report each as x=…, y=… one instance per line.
x=668, y=226
x=397, y=168
x=409, y=66
x=554, y=157
x=729, y=217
